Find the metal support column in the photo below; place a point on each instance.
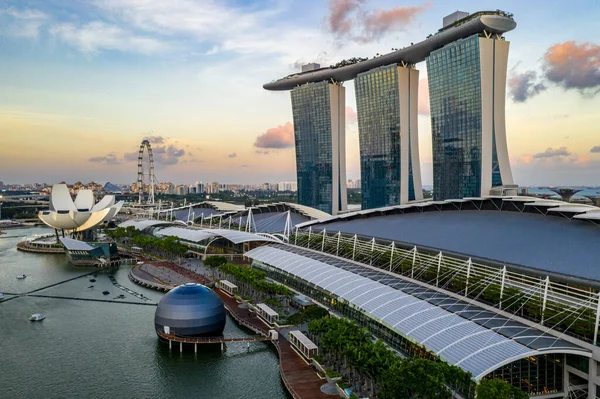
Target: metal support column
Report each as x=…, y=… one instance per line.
x=309, y=234
x=412, y=269
x=337, y=248
x=502, y=286
x=372, y=250
x=545, y=298
x=354, y=247
x=597, y=319
x=323, y=243
x=437, y=276
x=468, y=275
x=591, y=377
x=392, y=254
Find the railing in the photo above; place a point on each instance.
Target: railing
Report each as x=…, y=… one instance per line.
x=572, y=309
x=208, y=340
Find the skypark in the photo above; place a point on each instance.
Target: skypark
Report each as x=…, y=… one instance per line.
x=488, y=22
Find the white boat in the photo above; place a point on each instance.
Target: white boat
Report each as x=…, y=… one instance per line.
x=21, y=276
x=37, y=317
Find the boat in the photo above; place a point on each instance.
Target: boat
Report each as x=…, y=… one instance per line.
x=105, y=292
x=37, y=317
x=21, y=276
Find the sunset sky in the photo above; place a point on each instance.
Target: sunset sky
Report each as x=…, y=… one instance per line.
x=83, y=82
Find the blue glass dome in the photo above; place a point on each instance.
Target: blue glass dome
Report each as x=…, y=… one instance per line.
x=190, y=310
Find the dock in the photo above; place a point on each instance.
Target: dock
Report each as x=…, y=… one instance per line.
x=300, y=379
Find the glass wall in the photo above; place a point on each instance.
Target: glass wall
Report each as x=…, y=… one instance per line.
x=455, y=101
x=312, y=130
x=539, y=375
x=378, y=108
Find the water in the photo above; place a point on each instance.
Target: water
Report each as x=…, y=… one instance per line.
x=93, y=349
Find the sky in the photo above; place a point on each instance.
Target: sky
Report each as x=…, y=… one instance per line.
x=82, y=83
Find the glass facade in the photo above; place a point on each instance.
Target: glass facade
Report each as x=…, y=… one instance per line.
x=536, y=375
x=311, y=107
x=378, y=108
x=456, y=119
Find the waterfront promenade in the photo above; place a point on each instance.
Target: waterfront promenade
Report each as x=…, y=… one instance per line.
x=299, y=377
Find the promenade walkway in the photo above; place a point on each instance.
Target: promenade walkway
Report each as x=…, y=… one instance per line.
x=300, y=378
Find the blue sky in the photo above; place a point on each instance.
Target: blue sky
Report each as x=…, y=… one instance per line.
x=81, y=83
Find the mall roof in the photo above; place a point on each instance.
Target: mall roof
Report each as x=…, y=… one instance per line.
x=477, y=340
x=492, y=22
x=511, y=232
x=195, y=234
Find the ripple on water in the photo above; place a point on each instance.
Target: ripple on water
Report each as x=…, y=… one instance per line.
x=92, y=349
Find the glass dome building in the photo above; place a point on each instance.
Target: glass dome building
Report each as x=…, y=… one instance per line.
x=190, y=310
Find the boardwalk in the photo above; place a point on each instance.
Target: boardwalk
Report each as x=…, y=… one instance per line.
x=209, y=340
x=300, y=379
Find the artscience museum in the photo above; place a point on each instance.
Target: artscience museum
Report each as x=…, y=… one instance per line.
x=79, y=215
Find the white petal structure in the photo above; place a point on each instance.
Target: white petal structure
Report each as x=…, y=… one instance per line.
x=81, y=214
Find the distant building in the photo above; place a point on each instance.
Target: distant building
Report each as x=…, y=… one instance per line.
x=199, y=187
x=212, y=188
x=320, y=137
x=287, y=186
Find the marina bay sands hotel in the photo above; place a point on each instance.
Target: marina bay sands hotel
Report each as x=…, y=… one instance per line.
x=466, y=68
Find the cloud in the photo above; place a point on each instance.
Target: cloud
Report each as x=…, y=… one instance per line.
x=130, y=156
x=96, y=36
x=553, y=153
x=346, y=17
x=423, y=102
x=109, y=159
x=574, y=66
x=379, y=22
x=162, y=154
x=339, y=20
x=277, y=137
x=522, y=86
x=595, y=149
x=27, y=22
x=155, y=139
x=232, y=155
x=351, y=116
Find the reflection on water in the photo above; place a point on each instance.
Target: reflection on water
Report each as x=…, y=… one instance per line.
x=93, y=349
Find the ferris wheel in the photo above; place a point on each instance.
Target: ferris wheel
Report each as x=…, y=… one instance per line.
x=146, y=170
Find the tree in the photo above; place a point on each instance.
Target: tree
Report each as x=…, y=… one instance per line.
x=414, y=378
x=215, y=261
x=498, y=389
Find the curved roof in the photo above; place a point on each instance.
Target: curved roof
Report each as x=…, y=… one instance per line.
x=459, y=332
x=544, y=240
x=142, y=223
x=491, y=22
x=196, y=235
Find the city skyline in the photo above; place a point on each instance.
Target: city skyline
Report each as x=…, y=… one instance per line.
x=83, y=84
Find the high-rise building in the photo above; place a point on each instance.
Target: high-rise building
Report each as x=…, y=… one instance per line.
x=466, y=62
x=386, y=103
x=467, y=90
x=199, y=187
x=319, y=128
x=287, y=186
